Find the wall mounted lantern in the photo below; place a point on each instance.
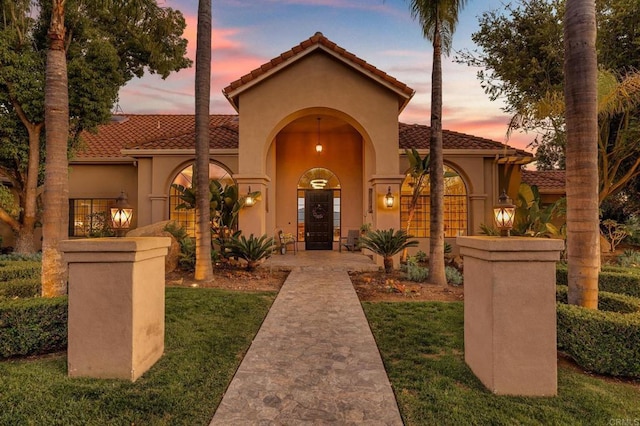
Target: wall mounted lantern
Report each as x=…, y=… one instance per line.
x=249, y=200
x=504, y=212
x=389, y=199
x=121, y=215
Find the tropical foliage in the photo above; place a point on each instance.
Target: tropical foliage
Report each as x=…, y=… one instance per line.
x=387, y=243
x=251, y=249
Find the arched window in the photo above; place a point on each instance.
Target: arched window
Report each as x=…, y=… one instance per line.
x=187, y=218
x=319, y=178
x=455, y=206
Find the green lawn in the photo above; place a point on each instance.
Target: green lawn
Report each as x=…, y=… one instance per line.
x=422, y=348
x=207, y=332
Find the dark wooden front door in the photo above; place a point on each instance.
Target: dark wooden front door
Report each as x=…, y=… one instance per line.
x=318, y=219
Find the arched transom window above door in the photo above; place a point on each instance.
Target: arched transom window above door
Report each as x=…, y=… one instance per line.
x=187, y=218
x=455, y=206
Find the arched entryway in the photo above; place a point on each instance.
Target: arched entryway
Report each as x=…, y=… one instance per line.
x=318, y=209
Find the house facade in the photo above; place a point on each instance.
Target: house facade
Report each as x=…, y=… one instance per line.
x=317, y=133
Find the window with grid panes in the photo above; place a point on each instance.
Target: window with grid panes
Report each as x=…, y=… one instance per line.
x=90, y=217
x=455, y=207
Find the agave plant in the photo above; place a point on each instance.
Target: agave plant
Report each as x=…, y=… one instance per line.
x=251, y=249
x=387, y=244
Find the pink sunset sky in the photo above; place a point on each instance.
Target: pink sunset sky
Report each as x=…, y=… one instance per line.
x=248, y=33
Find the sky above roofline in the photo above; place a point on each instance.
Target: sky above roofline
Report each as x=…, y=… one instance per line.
x=247, y=34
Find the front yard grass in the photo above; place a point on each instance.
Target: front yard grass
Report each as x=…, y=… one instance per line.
x=207, y=333
x=422, y=349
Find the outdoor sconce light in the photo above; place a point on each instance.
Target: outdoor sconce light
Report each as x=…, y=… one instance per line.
x=121, y=215
x=249, y=200
x=388, y=199
x=504, y=213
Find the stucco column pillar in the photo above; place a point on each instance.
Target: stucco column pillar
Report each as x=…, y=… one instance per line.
x=510, y=313
x=116, y=305
x=158, y=207
x=253, y=220
x=383, y=216
x=478, y=203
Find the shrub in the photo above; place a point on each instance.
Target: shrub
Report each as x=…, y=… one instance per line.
x=453, y=275
x=611, y=279
x=607, y=302
x=416, y=273
x=387, y=243
x=629, y=259
x=421, y=256
x=601, y=341
x=11, y=270
x=33, y=326
x=20, y=288
x=253, y=249
x=33, y=257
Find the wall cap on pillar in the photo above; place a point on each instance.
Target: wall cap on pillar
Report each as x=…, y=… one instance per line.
x=126, y=249
x=511, y=248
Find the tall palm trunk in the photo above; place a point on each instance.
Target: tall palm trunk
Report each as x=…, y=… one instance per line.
x=580, y=69
x=436, y=168
x=56, y=186
x=203, y=270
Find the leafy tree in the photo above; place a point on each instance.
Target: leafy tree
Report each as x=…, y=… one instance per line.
x=581, y=97
x=438, y=19
x=106, y=44
x=204, y=269
x=521, y=53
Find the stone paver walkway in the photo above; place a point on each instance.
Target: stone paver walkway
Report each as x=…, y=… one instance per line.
x=314, y=361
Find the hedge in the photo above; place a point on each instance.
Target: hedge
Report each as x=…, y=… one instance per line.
x=12, y=270
x=611, y=279
x=20, y=288
x=602, y=341
x=33, y=326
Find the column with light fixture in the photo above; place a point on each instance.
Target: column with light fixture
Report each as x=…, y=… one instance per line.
x=510, y=310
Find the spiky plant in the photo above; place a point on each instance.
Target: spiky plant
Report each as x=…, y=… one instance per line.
x=387, y=243
x=251, y=249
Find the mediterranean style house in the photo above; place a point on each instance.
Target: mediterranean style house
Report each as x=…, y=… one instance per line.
x=317, y=133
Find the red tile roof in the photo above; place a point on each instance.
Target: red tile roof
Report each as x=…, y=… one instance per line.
x=318, y=40
x=154, y=131
x=545, y=180
x=417, y=136
x=157, y=132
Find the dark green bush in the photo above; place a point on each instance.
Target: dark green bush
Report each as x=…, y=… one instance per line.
x=15, y=269
x=601, y=341
x=608, y=302
x=20, y=288
x=33, y=326
x=611, y=279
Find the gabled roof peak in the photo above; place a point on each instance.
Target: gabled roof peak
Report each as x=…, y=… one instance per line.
x=315, y=42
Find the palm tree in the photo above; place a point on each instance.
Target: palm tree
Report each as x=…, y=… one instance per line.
x=55, y=222
x=438, y=19
x=419, y=172
x=387, y=244
x=204, y=269
x=581, y=71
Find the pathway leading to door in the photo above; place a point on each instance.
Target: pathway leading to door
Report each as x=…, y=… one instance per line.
x=313, y=361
